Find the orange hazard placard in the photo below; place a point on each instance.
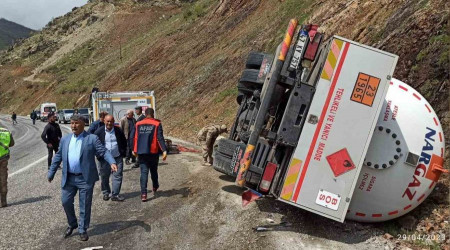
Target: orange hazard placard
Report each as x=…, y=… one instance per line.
x=340, y=162
x=436, y=168
x=365, y=89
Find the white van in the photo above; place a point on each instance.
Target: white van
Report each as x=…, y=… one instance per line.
x=47, y=108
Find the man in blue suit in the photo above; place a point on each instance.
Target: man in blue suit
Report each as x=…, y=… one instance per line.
x=79, y=173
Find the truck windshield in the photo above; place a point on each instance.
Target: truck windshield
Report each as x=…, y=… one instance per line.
x=83, y=111
x=68, y=111
x=49, y=109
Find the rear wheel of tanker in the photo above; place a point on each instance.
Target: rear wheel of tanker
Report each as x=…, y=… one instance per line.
x=227, y=147
x=239, y=98
x=250, y=79
x=227, y=154
x=254, y=60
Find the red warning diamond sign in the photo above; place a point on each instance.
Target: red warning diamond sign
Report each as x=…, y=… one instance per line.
x=340, y=162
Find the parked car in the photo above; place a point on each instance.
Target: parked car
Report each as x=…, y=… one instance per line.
x=85, y=113
x=64, y=115
x=38, y=113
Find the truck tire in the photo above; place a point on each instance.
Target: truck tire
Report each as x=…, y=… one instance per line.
x=245, y=90
x=250, y=80
x=254, y=60
x=222, y=164
x=227, y=147
x=240, y=97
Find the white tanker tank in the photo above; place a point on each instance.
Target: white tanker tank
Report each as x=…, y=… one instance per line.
x=404, y=159
x=331, y=132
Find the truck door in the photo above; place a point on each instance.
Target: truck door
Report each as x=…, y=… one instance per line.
x=326, y=163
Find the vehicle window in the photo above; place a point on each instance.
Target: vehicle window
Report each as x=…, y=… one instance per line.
x=48, y=109
x=68, y=111
x=83, y=111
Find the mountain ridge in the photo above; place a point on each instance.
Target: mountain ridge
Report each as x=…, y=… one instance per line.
x=11, y=32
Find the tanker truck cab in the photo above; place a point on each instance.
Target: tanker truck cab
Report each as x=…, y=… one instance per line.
x=325, y=127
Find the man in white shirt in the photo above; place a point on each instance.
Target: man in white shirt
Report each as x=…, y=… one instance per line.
x=114, y=140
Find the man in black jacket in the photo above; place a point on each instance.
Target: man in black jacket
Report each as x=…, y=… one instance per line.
x=51, y=136
x=140, y=115
x=115, y=142
x=33, y=116
x=97, y=124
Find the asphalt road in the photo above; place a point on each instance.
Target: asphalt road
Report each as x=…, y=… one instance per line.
x=196, y=208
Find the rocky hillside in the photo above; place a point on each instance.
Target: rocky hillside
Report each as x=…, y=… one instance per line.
x=10, y=32
x=191, y=53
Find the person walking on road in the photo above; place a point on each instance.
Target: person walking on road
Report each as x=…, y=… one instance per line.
x=128, y=126
x=79, y=173
x=148, y=144
x=115, y=142
x=97, y=124
x=6, y=141
x=33, y=116
x=206, y=138
x=140, y=117
x=14, y=118
x=51, y=136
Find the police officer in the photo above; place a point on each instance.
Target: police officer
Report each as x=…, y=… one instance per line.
x=148, y=144
x=206, y=138
x=6, y=141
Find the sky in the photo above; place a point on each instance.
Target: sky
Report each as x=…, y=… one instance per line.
x=35, y=14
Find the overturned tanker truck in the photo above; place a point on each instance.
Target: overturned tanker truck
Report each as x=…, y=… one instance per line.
x=323, y=126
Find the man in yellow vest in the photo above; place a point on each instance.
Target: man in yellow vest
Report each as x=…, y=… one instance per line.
x=6, y=141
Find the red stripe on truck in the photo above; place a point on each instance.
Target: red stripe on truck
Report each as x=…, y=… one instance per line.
x=319, y=126
x=393, y=212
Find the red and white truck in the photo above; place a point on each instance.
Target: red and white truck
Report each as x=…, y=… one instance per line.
x=323, y=126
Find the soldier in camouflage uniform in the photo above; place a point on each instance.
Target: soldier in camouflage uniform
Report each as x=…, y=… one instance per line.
x=206, y=138
x=6, y=141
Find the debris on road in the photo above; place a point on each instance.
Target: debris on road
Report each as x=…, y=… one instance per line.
x=249, y=196
x=92, y=248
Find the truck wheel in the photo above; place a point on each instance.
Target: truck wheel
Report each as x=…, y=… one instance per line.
x=222, y=164
x=240, y=97
x=249, y=79
x=228, y=147
x=244, y=90
x=254, y=60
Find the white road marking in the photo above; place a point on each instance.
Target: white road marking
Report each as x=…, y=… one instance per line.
x=28, y=167
x=26, y=133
